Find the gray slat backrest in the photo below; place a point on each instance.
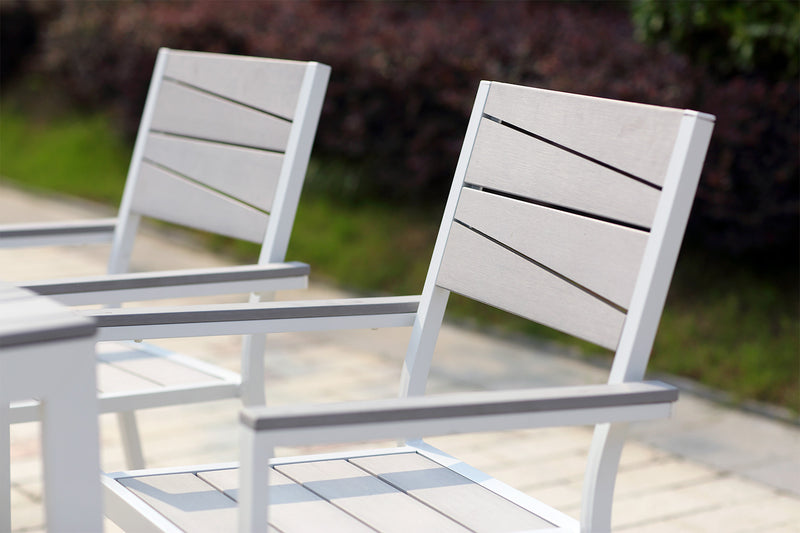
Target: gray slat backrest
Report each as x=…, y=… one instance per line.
x=216, y=130
x=559, y=197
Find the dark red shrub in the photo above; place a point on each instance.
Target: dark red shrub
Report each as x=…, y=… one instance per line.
x=405, y=74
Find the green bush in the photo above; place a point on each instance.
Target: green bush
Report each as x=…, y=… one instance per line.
x=727, y=37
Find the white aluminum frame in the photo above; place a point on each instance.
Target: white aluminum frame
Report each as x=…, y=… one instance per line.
x=628, y=367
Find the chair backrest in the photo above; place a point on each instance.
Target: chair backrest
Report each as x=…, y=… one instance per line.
x=223, y=146
x=569, y=211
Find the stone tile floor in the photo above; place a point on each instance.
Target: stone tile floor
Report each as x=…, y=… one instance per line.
x=709, y=468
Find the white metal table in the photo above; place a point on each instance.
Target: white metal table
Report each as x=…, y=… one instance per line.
x=47, y=353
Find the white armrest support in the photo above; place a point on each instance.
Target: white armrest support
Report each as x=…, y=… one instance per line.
x=57, y=233
x=460, y=413
x=111, y=288
x=266, y=317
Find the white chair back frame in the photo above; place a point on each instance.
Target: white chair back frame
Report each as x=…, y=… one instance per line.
x=570, y=211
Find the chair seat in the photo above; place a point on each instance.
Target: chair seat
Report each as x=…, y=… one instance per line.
x=134, y=375
x=399, y=490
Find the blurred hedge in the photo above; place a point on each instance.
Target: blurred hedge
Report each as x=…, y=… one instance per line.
x=405, y=74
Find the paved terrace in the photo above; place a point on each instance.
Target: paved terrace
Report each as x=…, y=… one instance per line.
x=709, y=468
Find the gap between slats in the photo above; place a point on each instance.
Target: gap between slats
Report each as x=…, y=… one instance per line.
x=201, y=208
x=483, y=270
x=251, y=175
x=202, y=184
x=353, y=461
x=216, y=141
x=422, y=512
x=571, y=151
x=227, y=99
x=479, y=508
x=271, y=84
x=185, y=111
x=141, y=372
x=600, y=256
x=527, y=168
x=557, y=207
x=635, y=137
x=544, y=267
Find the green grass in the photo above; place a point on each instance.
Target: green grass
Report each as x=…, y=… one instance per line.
x=733, y=327
x=76, y=155
x=726, y=324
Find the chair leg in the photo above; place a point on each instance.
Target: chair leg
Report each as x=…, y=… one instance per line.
x=131, y=442
x=5, y=467
x=253, y=347
x=601, y=475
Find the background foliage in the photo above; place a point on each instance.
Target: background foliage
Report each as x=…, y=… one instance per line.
x=727, y=37
x=405, y=74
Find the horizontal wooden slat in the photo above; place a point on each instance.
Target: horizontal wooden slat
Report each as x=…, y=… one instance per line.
x=246, y=174
x=111, y=379
x=600, y=256
x=159, y=370
x=187, y=501
x=636, y=138
x=184, y=111
x=366, y=497
x=269, y=84
x=292, y=507
x=515, y=163
x=480, y=269
x=450, y=493
x=168, y=197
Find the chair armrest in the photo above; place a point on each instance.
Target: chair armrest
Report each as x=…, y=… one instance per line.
x=57, y=233
x=114, y=288
x=267, y=317
x=460, y=413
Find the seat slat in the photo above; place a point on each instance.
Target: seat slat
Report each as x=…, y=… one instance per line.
x=168, y=197
x=292, y=506
x=480, y=269
x=456, y=496
x=598, y=255
x=244, y=173
x=113, y=379
x=636, y=138
x=366, y=497
x=151, y=367
x=186, y=500
x=268, y=84
x=515, y=163
x=184, y=111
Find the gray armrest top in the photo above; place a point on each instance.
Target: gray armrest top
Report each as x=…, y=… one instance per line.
x=167, y=278
x=468, y=404
x=36, y=229
x=143, y=316
x=27, y=318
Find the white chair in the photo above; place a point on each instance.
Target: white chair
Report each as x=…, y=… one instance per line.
x=36, y=333
x=567, y=210
x=223, y=146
